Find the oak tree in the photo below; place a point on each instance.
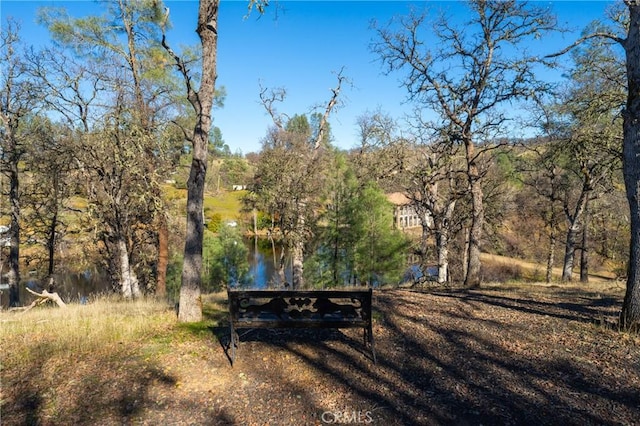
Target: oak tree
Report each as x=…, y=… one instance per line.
x=468, y=76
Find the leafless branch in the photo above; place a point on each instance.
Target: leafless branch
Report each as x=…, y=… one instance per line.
x=330, y=105
x=268, y=98
x=585, y=38
x=192, y=95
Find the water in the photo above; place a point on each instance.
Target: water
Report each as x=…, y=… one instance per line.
x=80, y=287
x=263, y=271
x=71, y=287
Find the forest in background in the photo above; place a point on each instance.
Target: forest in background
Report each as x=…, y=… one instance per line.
x=95, y=159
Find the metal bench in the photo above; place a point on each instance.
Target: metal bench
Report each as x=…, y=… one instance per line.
x=300, y=309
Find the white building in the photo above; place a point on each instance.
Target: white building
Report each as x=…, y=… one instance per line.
x=404, y=214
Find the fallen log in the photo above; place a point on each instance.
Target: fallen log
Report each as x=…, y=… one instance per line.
x=44, y=297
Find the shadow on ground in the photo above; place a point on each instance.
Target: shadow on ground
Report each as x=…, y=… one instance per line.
x=456, y=357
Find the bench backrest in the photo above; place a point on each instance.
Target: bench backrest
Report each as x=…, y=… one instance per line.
x=304, y=308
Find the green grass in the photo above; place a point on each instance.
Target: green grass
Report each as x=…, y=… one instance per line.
x=226, y=204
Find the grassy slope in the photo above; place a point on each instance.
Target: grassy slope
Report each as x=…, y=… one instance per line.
x=225, y=203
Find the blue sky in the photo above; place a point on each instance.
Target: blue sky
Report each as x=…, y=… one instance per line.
x=299, y=45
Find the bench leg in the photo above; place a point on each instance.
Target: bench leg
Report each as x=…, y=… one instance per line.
x=368, y=338
x=233, y=342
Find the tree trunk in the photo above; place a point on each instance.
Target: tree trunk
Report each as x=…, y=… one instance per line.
x=129, y=285
x=51, y=243
x=190, y=308
x=53, y=225
x=473, y=276
x=14, y=229
x=551, y=253
x=630, y=314
x=569, y=252
x=584, y=250
x=297, y=262
x=442, y=243
x=465, y=254
x=281, y=268
x=297, y=249
x=163, y=257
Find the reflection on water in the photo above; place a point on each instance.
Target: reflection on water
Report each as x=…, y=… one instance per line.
x=79, y=287
x=263, y=272
x=72, y=287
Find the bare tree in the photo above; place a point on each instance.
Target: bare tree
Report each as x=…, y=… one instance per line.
x=19, y=98
x=477, y=69
x=433, y=182
x=292, y=171
x=202, y=101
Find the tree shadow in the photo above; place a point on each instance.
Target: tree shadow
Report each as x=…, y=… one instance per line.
x=585, y=308
x=103, y=387
x=443, y=360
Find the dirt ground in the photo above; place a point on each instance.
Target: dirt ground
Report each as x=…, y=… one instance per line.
x=533, y=355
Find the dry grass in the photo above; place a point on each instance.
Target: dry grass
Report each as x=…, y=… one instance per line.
x=81, y=329
x=80, y=363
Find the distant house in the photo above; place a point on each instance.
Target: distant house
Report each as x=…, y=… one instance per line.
x=404, y=214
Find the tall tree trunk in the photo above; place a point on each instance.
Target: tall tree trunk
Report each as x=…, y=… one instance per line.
x=465, y=253
x=584, y=250
x=129, y=284
x=14, y=239
x=551, y=254
x=190, y=308
x=51, y=243
x=574, y=219
x=569, y=252
x=442, y=244
x=630, y=314
x=14, y=229
x=473, y=273
x=473, y=277
x=297, y=249
x=163, y=257
x=53, y=225
x=281, y=268
x=442, y=223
